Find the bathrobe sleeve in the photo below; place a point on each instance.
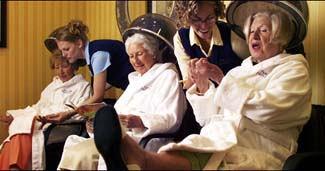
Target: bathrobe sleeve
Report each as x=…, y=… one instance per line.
x=204, y=107
x=167, y=106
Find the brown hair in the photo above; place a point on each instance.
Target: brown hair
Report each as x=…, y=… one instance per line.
x=73, y=31
x=57, y=56
x=185, y=9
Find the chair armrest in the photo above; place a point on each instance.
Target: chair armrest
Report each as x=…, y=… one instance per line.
x=188, y=126
x=56, y=133
x=144, y=141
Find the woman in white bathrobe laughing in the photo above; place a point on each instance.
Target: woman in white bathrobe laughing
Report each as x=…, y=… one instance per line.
x=252, y=120
x=153, y=102
x=23, y=149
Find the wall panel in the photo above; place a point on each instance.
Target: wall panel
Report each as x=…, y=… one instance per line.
x=314, y=43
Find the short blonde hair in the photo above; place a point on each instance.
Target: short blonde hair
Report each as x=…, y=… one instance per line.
x=282, y=27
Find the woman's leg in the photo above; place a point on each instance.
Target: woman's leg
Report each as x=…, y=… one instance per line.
x=109, y=142
x=107, y=136
x=17, y=152
x=133, y=154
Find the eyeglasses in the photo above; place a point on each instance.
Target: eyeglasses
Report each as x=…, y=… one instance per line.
x=198, y=21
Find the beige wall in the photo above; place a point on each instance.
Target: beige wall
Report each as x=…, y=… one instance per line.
x=24, y=68
x=315, y=51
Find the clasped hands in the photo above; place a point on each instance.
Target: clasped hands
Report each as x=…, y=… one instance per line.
x=201, y=70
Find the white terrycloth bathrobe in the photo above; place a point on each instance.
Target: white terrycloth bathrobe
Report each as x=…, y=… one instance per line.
x=156, y=96
x=52, y=100
x=254, y=117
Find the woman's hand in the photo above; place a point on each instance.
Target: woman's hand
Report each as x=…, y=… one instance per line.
x=201, y=70
x=88, y=108
x=131, y=121
x=193, y=74
x=202, y=67
x=215, y=73
x=6, y=119
x=198, y=71
x=55, y=118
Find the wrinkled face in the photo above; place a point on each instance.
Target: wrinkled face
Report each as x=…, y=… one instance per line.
x=259, y=39
x=139, y=57
x=64, y=70
x=70, y=50
x=204, y=21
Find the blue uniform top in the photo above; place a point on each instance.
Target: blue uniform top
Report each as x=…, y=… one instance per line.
x=109, y=55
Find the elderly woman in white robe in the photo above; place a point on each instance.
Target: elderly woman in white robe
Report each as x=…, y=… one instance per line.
x=153, y=102
x=24, y=147
x=252, y=120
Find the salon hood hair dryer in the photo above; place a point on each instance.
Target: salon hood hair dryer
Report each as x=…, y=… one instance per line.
x=238, y=11
x=159, y=26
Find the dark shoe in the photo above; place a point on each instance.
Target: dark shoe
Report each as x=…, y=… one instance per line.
x=107, y=136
